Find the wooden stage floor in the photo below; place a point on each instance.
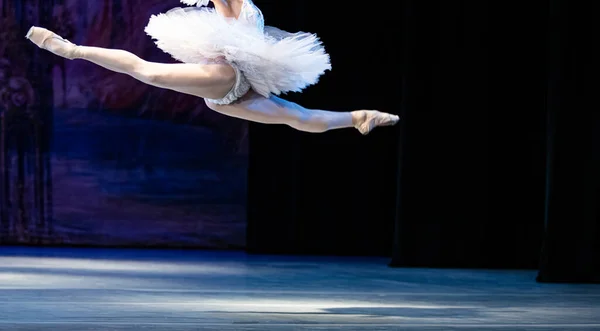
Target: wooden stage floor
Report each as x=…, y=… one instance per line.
x=103, y=289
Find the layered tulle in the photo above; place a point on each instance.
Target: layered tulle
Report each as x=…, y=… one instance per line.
x=273, y=61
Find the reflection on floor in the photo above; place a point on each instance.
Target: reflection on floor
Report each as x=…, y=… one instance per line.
x=94, y=289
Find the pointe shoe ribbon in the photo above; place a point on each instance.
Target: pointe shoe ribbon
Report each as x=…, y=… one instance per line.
x=46, y=39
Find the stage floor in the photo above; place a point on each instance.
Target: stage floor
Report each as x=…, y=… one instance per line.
x=92, y=289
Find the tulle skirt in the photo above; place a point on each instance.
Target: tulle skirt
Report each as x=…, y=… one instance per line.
x=272, y=60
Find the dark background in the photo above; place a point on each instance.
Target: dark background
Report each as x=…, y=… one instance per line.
x=471, y=146
x=492, y=164
x=332, y=193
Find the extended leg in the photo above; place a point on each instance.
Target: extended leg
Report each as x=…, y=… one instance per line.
x=207, y=81
x=213, y=82
x=275, y=110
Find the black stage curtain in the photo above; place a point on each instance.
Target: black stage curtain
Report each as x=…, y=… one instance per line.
x=571, y=251
x=464, y=175
x=471, y=188
x=472, y=164
x=330, y=193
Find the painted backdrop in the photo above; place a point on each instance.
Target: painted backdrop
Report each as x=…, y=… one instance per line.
x=90, y=157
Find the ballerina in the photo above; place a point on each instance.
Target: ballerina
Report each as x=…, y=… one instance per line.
x=232, y=60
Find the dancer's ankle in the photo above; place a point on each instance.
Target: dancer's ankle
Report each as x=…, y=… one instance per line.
x=358, y=117
x=77, y=52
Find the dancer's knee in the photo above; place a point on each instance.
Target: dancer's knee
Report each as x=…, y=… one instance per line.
x=299, y=117
x=144, y=72
x=308, y=122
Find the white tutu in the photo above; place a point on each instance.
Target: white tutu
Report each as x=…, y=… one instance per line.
x=272, y=60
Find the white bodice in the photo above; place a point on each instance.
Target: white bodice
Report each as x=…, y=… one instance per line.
x=252, y=15
x=249, y=12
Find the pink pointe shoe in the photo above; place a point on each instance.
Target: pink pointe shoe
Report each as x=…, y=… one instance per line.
x=372, y=119
x=50, y=41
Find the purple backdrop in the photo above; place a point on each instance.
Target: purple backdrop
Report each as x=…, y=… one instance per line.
x=96, y=158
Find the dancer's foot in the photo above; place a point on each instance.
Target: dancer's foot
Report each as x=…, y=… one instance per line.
x=52, y=42
x=367, y=120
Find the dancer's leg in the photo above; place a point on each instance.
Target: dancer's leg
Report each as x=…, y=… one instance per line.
x=275, y=110
x=207, y=81
x=213, y=82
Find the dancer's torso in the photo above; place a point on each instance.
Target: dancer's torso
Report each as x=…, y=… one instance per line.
x=247, y=12
x=244, y=11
